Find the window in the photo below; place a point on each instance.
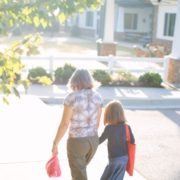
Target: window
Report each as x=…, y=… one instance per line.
x=130, y=21
x=89, y=18
x=169, y=24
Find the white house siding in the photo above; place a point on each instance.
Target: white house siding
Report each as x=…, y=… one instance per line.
x=144, y=23
x=161, y=20
x=144, y=19
x=89, y=31
x=82, y=20
x=119, y=20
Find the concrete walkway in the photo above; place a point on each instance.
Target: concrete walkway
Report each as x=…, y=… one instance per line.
x=131, y=97
x=28, y=126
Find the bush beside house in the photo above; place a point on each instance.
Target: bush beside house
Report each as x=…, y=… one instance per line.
x=38, y=75
x=123, y=78
x=61, y=75
x=150, y=80
x=102, y=76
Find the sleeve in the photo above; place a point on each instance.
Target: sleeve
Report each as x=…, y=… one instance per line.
x=103, y=136
x=132, y=136
x=69, y=100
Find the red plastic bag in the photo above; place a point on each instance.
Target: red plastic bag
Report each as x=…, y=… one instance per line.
x=131, y=153
x=53, y=167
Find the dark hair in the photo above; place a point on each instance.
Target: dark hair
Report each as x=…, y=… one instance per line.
x=114, y=113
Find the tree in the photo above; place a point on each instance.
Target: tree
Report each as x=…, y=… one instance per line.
x=40, y=12
x=14, y=13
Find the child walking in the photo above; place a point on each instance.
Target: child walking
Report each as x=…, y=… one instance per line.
x=115, y=133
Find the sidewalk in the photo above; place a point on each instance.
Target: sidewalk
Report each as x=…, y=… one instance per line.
x=131, y=97
x=27, y=128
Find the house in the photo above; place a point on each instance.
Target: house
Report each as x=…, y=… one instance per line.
x=135, y=20
x=164, y=20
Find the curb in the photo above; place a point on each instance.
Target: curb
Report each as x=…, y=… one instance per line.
x=130, y=103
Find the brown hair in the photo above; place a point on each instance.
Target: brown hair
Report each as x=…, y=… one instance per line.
x=81, y=79
x=114, y=113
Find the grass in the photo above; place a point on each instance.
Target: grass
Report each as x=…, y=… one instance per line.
x=124, y=51
x=68, y=47
x=59, y=45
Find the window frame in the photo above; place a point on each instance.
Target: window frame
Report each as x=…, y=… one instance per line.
x=169, y=24
x=133, y=21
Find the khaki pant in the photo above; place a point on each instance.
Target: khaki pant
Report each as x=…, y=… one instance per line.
x=80, y=152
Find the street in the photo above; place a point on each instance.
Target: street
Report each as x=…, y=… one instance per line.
x=157, y=134
x=28, y=128
x=157, y=137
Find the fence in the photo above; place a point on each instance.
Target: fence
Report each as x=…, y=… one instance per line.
x=110, y=63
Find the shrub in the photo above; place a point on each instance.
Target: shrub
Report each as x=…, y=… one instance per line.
x=39, y=75
x=154, y=49
x=17, y=77
x=150, y=79
x=102, y=76
x=62, y=74
x=122, y=77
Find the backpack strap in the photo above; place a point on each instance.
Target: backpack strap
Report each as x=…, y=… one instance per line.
x=128, y=138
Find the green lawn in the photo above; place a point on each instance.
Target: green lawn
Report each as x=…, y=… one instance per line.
x=59, y=45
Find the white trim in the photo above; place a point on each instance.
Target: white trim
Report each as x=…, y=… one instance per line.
x=161, y=20
x=176, y=40
x=120, y=20
x=109, y=22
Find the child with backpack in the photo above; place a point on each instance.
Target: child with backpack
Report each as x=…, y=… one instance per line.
x=115, y=133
